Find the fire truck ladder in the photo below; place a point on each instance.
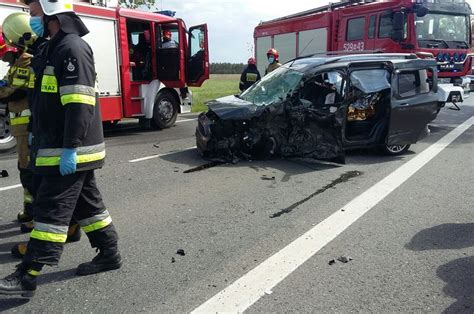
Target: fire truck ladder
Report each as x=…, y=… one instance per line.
x=327, y=8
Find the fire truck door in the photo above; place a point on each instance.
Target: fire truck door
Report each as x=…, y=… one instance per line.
x=198, y=56
x=170, y=47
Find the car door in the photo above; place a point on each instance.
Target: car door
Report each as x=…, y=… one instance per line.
x=414, y=104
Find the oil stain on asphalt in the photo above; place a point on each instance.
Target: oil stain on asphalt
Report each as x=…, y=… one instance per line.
x=343, y=178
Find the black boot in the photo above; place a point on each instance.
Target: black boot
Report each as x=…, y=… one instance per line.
x=107, y=259
x=18, y=283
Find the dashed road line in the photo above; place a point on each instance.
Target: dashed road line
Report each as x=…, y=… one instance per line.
x=248, y=289
x=159, y=155
x=11, y=187
x=185, y=120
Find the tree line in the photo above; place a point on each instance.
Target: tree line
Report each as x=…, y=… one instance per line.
x=226, y=68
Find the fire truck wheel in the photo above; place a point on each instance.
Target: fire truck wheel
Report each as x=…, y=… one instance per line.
x=7, y=141
x=165, y=110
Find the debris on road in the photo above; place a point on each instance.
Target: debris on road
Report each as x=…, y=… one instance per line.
x=4, y=174
x=203, y=167
x=180, y=252
x=173, y=260
x=264, y=177
x=156, y=146
x=332, y=262
x=343, y=178
x=344, y=259
x=268, y=292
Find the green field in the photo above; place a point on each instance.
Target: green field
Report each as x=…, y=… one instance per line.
x=217, y=86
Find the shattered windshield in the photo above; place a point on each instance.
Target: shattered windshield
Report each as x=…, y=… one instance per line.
x=273, y=87
x=443, y=31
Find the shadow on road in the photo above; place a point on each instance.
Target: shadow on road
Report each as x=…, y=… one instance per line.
x=443, y=237
x=459, y=278
x=8, y=303
x=458, y=274
x=9, y=226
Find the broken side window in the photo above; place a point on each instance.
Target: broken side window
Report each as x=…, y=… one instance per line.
x=323, y=90
x=411, y=83
x=370, y=81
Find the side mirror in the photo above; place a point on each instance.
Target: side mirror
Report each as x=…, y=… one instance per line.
x=398, y=31
x=421, y=11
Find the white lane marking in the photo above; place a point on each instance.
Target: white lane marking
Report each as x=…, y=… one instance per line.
x=11, y=187
x=186, y=120
x=160, y=155
x=248, y=289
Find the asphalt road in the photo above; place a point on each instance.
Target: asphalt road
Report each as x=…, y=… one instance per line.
x=410, y=240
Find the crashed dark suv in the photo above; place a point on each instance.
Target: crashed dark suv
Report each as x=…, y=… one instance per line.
x=317, y=107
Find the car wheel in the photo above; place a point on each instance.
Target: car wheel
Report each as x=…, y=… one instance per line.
x=165, y=110
x=7, y=141
x=394, y=150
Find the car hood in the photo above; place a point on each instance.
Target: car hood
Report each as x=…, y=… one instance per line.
x=233, y=108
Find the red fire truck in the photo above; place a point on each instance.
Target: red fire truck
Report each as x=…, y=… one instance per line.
x=138, y=77
x=430, y=28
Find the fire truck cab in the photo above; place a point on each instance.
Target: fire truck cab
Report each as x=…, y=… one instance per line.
x=140, y=73
x=437, y=29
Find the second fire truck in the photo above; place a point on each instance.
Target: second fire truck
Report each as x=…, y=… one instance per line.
x=438, y=29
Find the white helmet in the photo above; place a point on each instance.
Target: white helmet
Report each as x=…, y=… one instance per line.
x=53, y=7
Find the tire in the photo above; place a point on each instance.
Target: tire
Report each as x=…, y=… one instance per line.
x=394, y=150
x=165, y=110
x=7, y=141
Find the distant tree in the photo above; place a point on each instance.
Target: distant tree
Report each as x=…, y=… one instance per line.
x=226, y=68
x=134, y=4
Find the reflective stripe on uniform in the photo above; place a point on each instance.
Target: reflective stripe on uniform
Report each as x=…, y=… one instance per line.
x=33, y=272
x=49, y=232
x=31, y=81
x=49, y=83
x=27, y=197
x=18, y=82
x=78, y=98
x=77, y=94
x=96, y=222
x=85, y=154
x=19, y=120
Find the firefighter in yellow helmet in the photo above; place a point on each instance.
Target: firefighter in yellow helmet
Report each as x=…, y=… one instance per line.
x=17, y=34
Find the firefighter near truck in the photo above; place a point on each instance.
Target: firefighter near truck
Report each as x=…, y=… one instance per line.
x=137, y=77
x=434, y=29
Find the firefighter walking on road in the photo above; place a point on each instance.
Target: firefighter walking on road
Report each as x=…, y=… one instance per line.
x=68, y=145
x=13, y=50
x=250, y=75
x=273, y=60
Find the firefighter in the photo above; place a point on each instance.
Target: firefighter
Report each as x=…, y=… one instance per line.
x=18, y=33
x=273, y=60
x=250, y=75
x=68, y=145
x=167, y=41
x=17, y=81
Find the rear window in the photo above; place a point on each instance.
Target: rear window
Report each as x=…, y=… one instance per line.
x=411, y=83
x=355, y=29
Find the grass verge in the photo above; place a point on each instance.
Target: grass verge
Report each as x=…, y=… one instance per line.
x=218, y=85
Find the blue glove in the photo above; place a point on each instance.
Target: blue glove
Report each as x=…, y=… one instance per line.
x=68, y=161
x=30, y=138
x=3, y=83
